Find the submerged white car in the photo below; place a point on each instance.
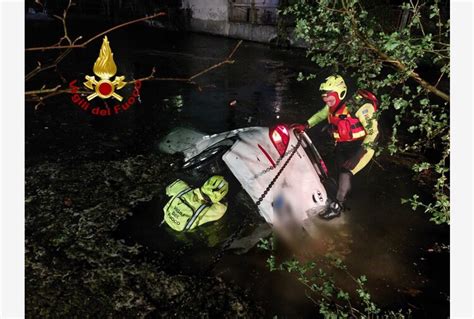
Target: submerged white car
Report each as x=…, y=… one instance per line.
x=278, y=167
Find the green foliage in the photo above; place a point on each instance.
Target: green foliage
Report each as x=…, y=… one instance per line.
x=346, y=37
x=331, y=300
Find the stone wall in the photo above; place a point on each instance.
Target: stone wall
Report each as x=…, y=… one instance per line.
x=212, y=10
x=212, y=16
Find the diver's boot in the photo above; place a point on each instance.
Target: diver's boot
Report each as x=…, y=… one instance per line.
x=334, y=210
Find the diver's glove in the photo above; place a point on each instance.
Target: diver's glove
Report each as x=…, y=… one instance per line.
x=299, y=127
x=352, y=162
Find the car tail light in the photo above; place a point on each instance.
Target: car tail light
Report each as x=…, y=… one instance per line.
x=280, y=137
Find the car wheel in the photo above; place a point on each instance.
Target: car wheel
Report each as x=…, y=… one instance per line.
x=205, y=158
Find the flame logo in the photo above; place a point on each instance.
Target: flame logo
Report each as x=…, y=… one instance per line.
x=104, y=66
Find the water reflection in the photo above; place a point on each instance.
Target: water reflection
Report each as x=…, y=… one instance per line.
x=333, y=237
x=174, y=102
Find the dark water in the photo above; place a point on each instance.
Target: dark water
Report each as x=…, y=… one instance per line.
x=378, y=237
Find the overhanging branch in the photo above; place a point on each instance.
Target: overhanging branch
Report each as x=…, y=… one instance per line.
x=394, y=62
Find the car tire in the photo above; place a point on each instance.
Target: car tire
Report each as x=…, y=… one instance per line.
x=205, y=158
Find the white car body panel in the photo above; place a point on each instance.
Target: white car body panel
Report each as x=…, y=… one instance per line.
x=296, y=185
x=180, y=140
x=299, y=185
x=209, y=140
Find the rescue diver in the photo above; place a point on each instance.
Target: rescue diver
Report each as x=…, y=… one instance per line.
x=189, y=208
x=354, y=128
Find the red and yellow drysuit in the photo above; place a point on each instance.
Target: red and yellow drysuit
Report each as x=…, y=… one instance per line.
x=354, y=133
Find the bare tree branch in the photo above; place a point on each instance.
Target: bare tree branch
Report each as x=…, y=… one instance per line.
x=54, y=64
x=42, y=91
x=72, y=44
x=63, y=20
x=190, y=79
x=42, y=94
x=69, y=48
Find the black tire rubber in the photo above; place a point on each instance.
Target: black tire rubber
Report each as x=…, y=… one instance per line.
x=205, y=158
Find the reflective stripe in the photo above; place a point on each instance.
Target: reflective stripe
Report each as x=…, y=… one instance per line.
x=183, y=200
x=172, y=184
x=221, y=184
x=193, y=218
x=354, y=135
x=359, y=134
x=183, y=192
x=178, y=196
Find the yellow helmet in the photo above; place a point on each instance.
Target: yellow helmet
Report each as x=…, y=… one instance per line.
x=216, y=187
x=335, y=83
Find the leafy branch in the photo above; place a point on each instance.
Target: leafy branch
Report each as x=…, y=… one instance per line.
x=322, y=288
x=388, y=60
x=356, y=27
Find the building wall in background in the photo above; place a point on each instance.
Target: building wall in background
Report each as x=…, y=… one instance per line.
x=253, y=20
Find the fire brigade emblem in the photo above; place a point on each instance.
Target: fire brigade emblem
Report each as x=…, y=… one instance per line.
x=105, y=69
